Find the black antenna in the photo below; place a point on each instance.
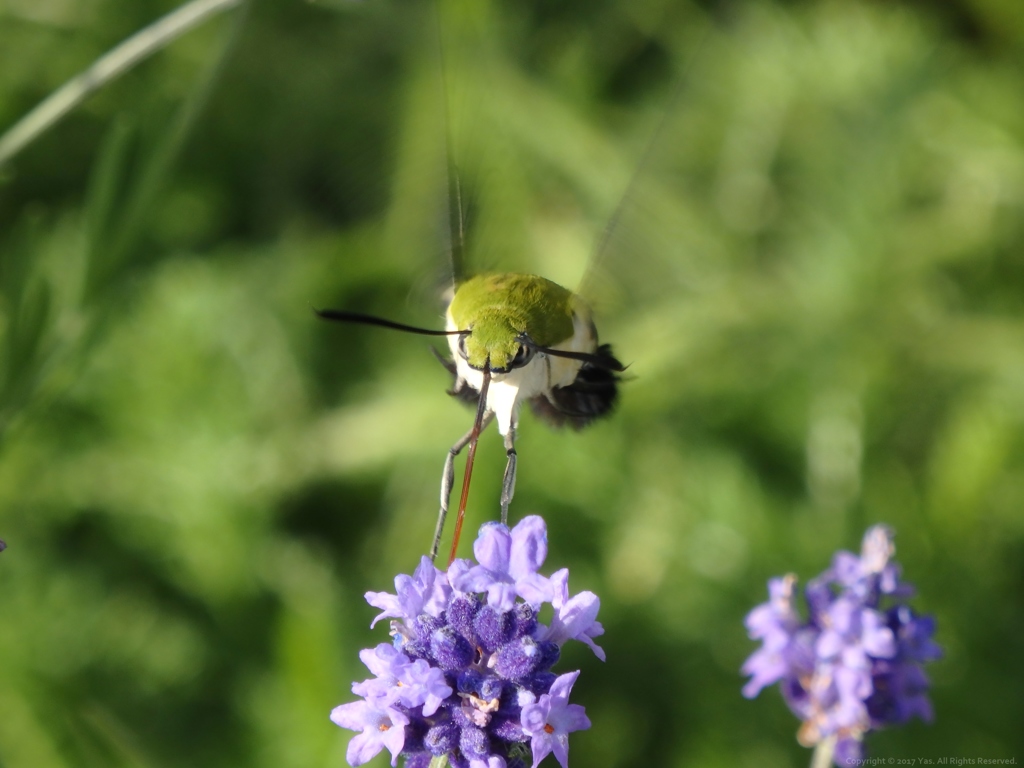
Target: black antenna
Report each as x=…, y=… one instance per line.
x=342, y=316
x=607, y=362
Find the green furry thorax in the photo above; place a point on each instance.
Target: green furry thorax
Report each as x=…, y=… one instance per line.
x=499, y=308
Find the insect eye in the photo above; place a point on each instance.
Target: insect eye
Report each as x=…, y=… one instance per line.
x=462, y=347
x=522, y=356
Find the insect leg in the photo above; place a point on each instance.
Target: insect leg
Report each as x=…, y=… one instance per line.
x=448, y=481
x=508, y=485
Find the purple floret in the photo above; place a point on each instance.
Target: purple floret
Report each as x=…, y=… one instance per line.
x=381, y=728
x=787, y=647
x=426, y=591
x=576, y=616
x=551, y=719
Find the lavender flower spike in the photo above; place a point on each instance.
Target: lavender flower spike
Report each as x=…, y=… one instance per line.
x=854, y=665
x=468, y=677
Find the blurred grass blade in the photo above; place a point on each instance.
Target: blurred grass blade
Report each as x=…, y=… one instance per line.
x=22, y=358
x=16, y=260
x=119, y=234
x=114, y=741
x=108, y=67
x=105, y=184
x=26, y=311
x=27, y=327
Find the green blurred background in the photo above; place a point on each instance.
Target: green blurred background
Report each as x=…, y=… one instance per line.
x=817, y=278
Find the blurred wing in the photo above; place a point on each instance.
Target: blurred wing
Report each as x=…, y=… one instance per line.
x=445, y=196
x=495, y=130
x=540, y=181
x=651, y=242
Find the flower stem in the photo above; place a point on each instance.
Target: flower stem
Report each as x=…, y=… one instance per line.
x=823, y=752
x=106, y=68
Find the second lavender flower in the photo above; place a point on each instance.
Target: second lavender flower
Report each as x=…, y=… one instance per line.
x=854, y=665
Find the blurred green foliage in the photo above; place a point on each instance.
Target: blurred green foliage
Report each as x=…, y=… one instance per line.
x=817, y=277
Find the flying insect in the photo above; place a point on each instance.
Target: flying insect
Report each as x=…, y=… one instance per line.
x=515, y=338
